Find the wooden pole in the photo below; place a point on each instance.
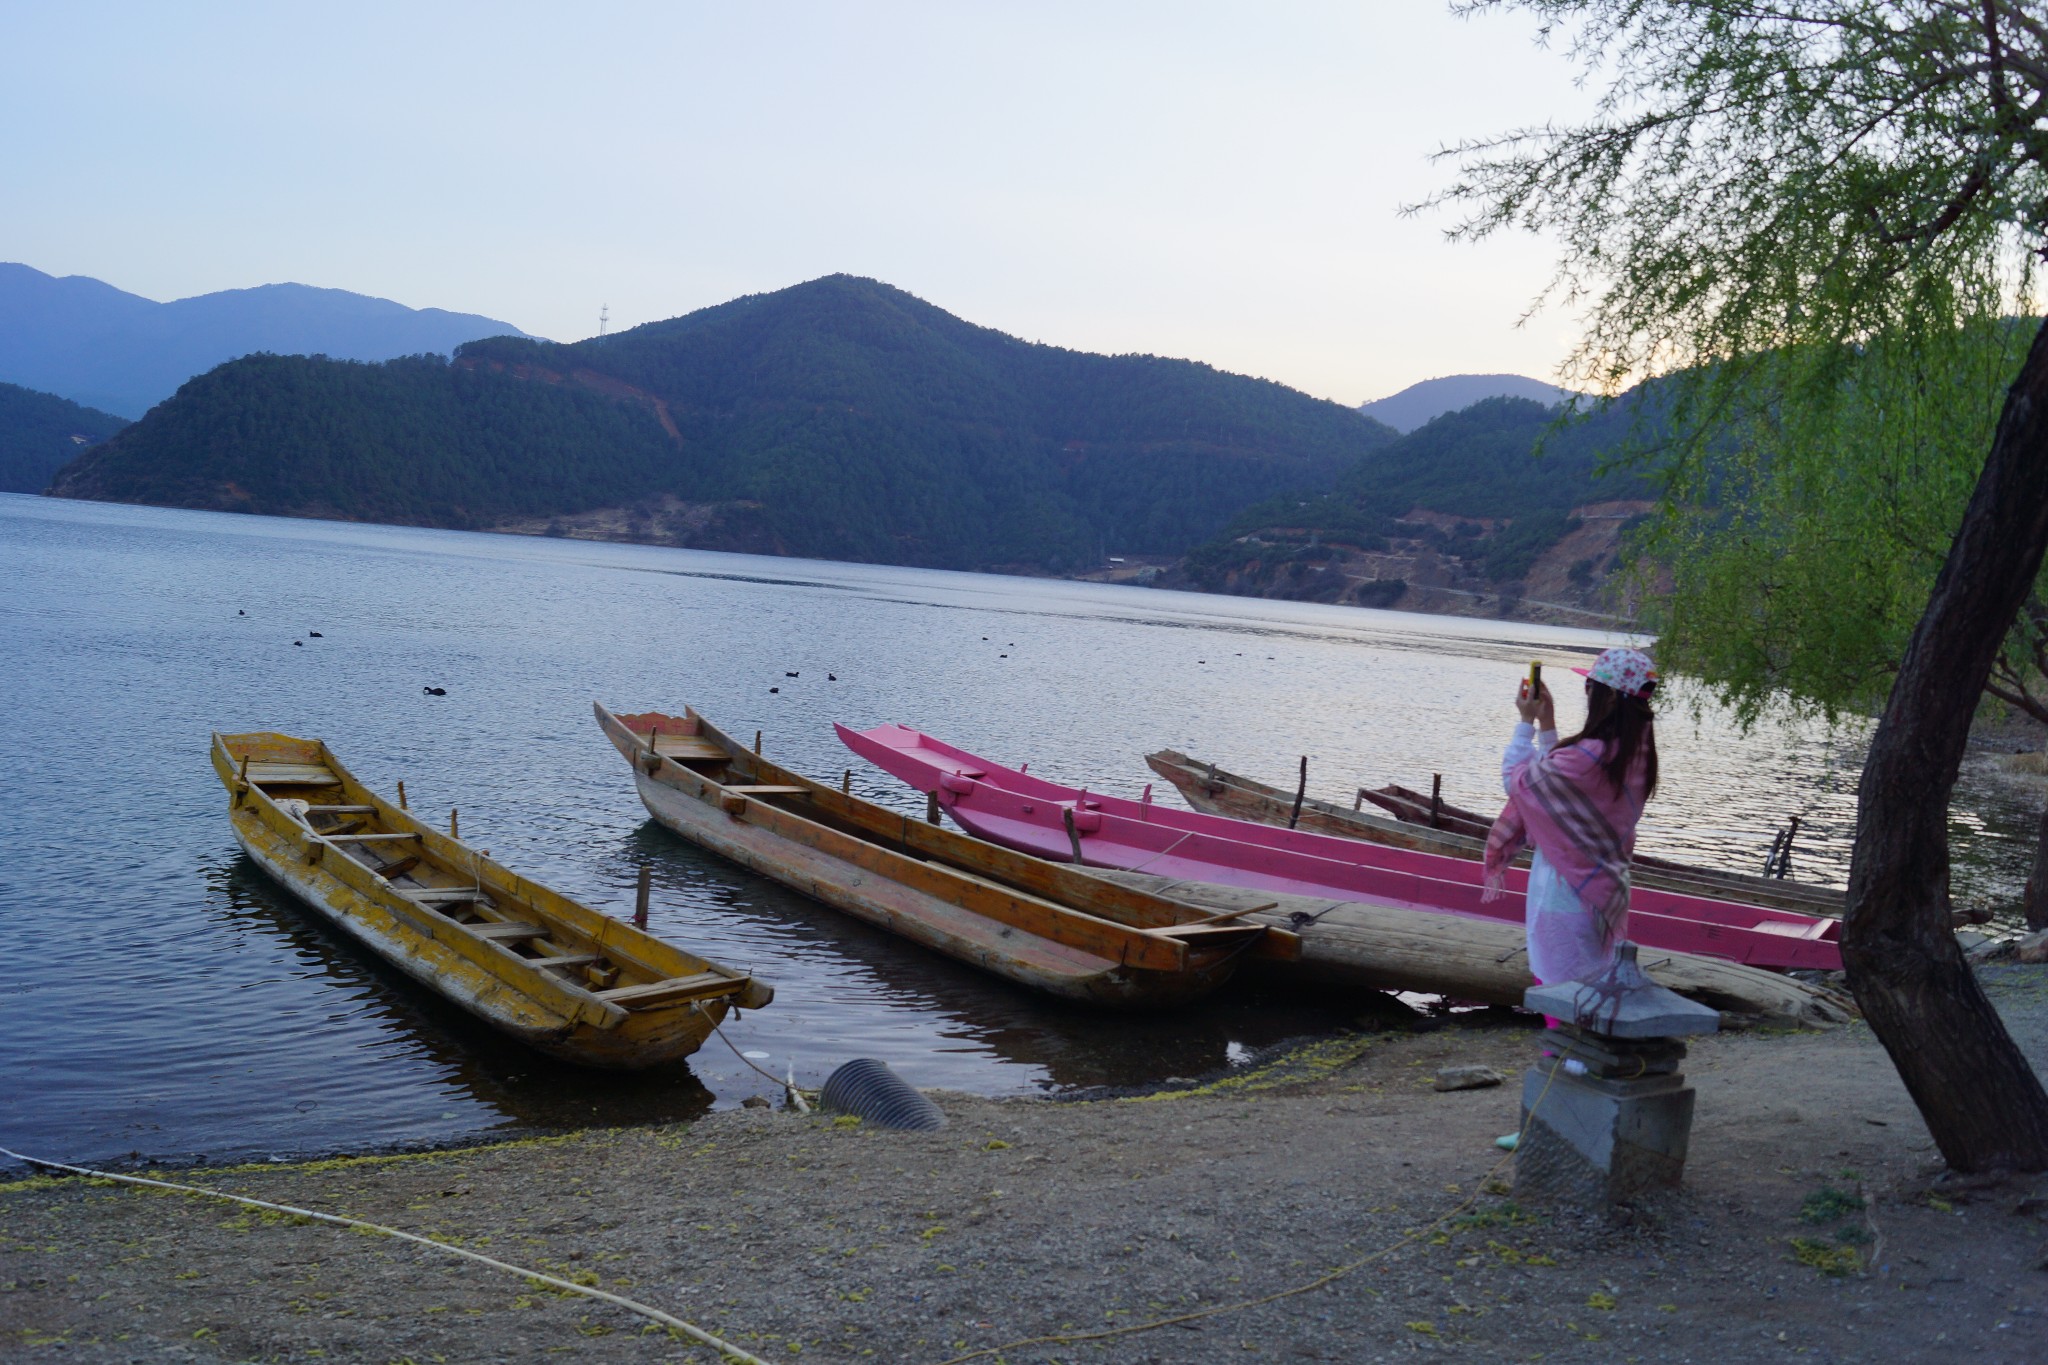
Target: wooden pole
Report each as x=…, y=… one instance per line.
x=1436, y=801
x=401, y=795
x=846, y=783
x=757, y=743
x=454, y=823
x=1300, y=791
x=1073, y=835
x=640, y=898
x=931, y=807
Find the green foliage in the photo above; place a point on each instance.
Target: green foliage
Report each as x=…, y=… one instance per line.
x=841, y=419
x=1801, y=550
x=1816, y=218
x=40, y=433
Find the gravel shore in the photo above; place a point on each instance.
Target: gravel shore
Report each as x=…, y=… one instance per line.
x=1814, y=1224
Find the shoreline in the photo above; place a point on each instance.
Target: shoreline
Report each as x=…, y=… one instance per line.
x=809, y=1237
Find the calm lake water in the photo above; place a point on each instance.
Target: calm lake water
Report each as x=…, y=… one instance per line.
x=161, y=1000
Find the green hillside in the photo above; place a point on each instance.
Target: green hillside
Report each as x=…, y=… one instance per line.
x=40, y=433
x=842, y=419
x=1473, y=498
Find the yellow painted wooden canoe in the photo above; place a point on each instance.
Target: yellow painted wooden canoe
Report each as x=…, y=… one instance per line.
x=1046, y=925
x=529, y=961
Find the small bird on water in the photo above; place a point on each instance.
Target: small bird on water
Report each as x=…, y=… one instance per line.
x=435, y=691
x=314, y=634
x=774, y=689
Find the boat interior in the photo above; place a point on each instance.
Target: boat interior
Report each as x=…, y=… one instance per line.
x=460, y=885
x=741, y=775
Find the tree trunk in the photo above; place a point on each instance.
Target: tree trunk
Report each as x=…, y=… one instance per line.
x=1982, y=1101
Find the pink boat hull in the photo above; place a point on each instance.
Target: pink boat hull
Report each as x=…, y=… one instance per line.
x=1008, y=806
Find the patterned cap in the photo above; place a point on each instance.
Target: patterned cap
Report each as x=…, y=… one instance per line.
x=1627, y=671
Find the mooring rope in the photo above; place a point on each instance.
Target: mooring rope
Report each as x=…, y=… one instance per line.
x=690, y=1330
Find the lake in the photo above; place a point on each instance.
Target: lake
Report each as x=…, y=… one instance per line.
x=163, y=1001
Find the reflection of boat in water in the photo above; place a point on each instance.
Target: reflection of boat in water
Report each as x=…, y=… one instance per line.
x=852, y=988
x=1054, y=928
x=1431, y=825
x=1011, y=807
x=533, y=964
x=356, y=1015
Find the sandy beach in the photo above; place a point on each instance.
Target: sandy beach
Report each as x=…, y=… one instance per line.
x=1815, y=1224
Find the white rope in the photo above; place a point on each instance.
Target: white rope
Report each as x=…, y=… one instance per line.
x=695, y=1333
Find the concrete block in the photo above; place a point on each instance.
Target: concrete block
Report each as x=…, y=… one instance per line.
x=1592, y=1142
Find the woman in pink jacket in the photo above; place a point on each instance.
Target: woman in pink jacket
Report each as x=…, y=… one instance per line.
x=1578, y=801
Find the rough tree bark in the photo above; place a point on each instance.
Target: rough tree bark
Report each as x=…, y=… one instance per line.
x=2034, y=905
x=1982, y=1102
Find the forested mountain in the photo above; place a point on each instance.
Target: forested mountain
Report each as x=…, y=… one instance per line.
x=94, y=344
x=841, y=418
x=40, y=432
x=1465, y=506
x=1432, y=398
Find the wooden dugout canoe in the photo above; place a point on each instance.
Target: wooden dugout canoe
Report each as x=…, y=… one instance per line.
x=526, y=960
x=1054, y=928
x=1215, y=791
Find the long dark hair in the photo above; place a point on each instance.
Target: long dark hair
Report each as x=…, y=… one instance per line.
x=1627, y=726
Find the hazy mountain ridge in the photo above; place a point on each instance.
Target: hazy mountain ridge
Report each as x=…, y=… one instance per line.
x=85, y=340
x=1419, y=404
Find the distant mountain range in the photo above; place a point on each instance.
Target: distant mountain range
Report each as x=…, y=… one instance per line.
x=1432, y=398
x=40, y=433
x=100, y=346
x=841, y=418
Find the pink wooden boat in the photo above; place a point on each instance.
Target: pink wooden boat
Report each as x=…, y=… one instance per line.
x=1011, y=807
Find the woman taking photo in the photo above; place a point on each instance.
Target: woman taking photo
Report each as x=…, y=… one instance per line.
x=1578, y=801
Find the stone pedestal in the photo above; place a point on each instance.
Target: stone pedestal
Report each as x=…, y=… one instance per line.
x=1608, y=1116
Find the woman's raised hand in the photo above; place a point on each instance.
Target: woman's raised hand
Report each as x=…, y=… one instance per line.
x=1536, y=708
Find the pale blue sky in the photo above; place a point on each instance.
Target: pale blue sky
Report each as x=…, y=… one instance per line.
x=1213, y=181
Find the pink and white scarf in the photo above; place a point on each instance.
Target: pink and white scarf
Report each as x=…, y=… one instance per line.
x=1563, y=803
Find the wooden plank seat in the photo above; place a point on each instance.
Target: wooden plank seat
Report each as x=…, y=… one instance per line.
x=565, y=960
x=292, y=775
x=506, y=931
x=768, y=789
x=690, y=749
x=365, y=838
x=430, y=895
x=673, y=990
x=341, y=810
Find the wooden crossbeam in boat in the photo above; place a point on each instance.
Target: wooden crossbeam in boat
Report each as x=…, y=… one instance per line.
x=769, y=789
x=566, y=960
x=672, y=990
x=291, y=775
x=366, y=838
x=690, y=749
x=506, y=931
x=341, y=810
x=429, y=894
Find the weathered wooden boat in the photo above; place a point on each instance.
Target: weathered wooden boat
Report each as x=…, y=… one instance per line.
x=1058, y=929
x=526, y=960
x=1011, y=807
x=1357, y=943
x=1436, y=826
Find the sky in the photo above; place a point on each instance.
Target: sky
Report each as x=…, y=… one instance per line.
x=1218, y=182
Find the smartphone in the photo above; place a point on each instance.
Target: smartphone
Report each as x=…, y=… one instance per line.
x=1535, y=677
